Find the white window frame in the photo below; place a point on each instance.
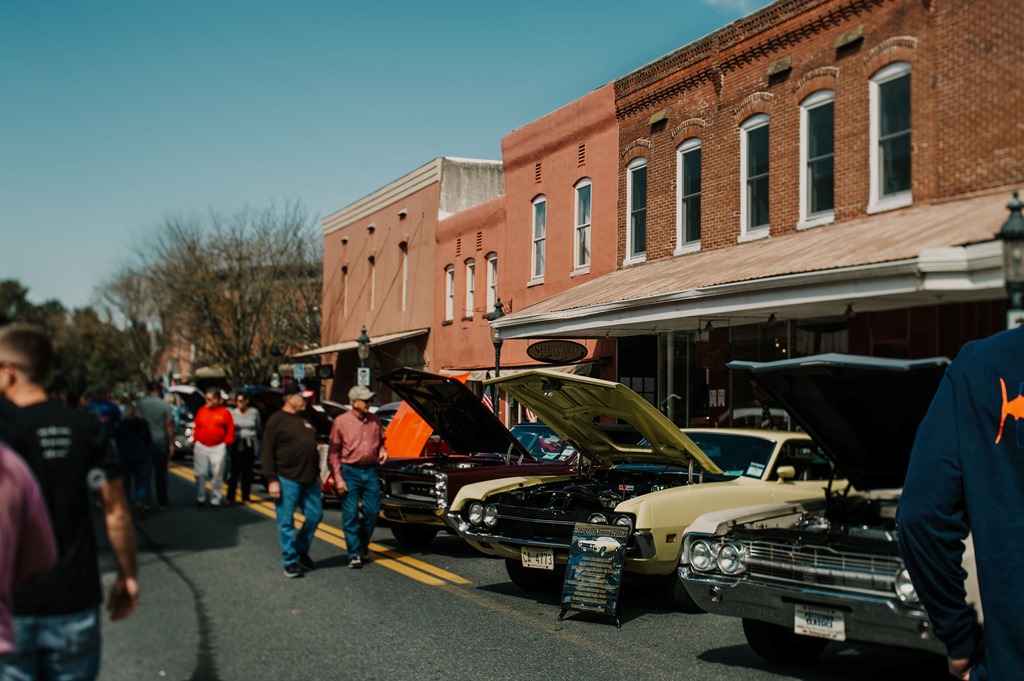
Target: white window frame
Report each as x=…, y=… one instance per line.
x=582, y=229
x=876, y=202
x=538, y=241
x=449, y=293
x=632, y=256
x=747, y=233
x=470, y=286
x=688, y=146
x=808, y=220
x=404, y=248
x=492, y=281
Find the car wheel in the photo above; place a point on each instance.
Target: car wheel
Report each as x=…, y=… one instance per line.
x=532, y=579
x=414, y=535
x=678, y=595
x=778, y=644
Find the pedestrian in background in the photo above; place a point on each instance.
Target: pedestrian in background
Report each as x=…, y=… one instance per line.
x=356, y=448
x=134, y=447
x=157, y=413
x=214, y=431
x=966, y=475
x=27, y=545
x=56, y=619
x=291, y=466
x=245, y=447
x=106, y=410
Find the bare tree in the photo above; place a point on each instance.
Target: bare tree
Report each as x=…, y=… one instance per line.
x=139, y=306
x=243, y=289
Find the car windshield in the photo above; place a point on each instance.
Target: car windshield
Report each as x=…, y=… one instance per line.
x=540, y=441
x=736, y=454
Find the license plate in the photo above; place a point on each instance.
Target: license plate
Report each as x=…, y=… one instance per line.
x=821, y=622
x=543, y=559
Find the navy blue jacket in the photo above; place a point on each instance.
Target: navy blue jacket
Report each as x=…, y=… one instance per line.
x=967, y=474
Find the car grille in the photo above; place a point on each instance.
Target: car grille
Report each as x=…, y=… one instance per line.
x=556, y=525
x=823, y=567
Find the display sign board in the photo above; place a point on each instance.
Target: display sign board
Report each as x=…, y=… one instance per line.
x=300, y=372
x=363, y=376
x=593, y=574
x=556, y=351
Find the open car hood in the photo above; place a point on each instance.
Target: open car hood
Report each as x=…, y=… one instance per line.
x=454, y=412
x=863, y=411
x=571, y=405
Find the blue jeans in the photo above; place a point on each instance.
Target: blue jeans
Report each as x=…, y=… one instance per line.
x=363, y=486
x=54, y=647
x=294, y=494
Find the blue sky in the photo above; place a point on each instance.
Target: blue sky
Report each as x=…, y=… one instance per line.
x=120, y=113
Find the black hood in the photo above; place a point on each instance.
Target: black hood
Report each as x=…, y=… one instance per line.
x=863, y=411
x=454, y=412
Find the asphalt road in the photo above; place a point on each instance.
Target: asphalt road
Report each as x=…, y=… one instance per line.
x=215, y=606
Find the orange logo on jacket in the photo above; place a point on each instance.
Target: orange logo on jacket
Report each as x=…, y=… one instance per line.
x=1014, y=408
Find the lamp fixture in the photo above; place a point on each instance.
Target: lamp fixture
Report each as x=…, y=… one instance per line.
x=849, y=313
x=708, y=327
x=772, y=319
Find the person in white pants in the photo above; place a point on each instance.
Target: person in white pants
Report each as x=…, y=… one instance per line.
x=214, y=431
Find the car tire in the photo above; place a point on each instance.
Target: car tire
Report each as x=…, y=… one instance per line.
x=779, y=644
x=409, y=534
x=679, y=597
x=532, y=579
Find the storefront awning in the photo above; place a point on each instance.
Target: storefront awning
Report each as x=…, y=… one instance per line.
x=482, y=374
x=929, y=253
x=352, y=345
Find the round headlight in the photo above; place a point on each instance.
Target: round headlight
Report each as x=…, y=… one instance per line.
x=904, y=588
x=598, y=519
x=490, y=515
x=476, y=512
x=701, y=557
x=624, y=521
x=730, y=559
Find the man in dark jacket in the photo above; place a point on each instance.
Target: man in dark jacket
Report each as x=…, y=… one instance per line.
x=966, y=475
x=291, y=466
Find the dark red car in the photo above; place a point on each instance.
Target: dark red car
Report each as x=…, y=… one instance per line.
x=416, y=491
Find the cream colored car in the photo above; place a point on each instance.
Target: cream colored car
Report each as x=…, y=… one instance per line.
x=655, y=487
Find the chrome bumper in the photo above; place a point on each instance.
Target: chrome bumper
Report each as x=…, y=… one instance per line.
x=867, y=619
x=409, y=511
x=644, y=540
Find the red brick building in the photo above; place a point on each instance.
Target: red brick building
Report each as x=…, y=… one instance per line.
x=819, y=175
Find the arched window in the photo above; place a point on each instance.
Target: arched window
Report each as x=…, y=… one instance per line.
x=688, y=191
x=636, y=210
x=754, y=177
x=817, y=159
x=889, y=97
x=581, y=242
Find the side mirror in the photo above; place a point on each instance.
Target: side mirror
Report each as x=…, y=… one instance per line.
x=786, y=473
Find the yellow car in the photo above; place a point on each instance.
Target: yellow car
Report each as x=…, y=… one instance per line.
x=655, y=487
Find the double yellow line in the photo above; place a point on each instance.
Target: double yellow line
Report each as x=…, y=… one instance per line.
x=384, y=556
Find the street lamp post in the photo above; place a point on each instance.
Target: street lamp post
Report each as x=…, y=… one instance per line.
x=1012, y=236
x=363, y=349
x=497, y=314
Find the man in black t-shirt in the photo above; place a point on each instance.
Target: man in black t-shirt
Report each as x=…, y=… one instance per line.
x=56, y=620
x=291, y=466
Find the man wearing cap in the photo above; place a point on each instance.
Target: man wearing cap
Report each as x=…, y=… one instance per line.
x=291, y=466
x=357, y=446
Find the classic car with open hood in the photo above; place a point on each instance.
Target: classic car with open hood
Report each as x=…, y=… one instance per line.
x=416, y=490
x=829, y=568
x=655, y=487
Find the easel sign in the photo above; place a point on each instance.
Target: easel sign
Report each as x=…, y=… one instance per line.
x=593, y=574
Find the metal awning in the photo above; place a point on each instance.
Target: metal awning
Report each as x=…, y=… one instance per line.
x=929, y=253
x=352, y=345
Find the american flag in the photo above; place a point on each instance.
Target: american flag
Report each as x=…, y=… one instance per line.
x=488, y=402
x=530, y=416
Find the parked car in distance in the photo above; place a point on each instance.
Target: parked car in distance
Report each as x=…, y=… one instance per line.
x=802, y=573
x=655, y=488
x=189, y=399
x=416, y=489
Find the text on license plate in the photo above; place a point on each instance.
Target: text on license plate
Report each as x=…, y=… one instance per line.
x=543, y=559
x=821, y=622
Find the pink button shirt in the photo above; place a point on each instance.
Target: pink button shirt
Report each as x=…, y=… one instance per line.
x=355, y=441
